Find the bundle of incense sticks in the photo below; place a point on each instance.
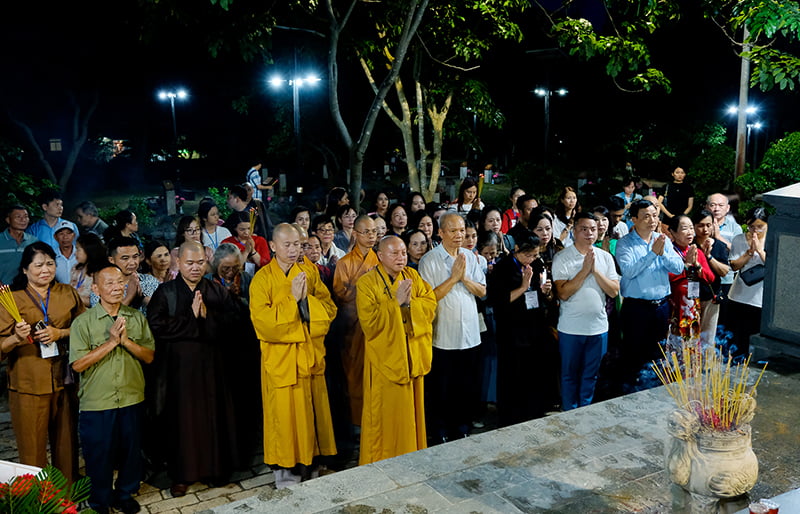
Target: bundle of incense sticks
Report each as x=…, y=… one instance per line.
x=9, y=304
x=707, y=384
x=252, y=220
x=480, y=184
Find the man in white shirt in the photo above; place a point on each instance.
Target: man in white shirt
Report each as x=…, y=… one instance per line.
x=583, y=276
x=457, y=279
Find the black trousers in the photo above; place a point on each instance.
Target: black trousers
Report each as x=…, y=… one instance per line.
x=645, y=325
x=745, y=321
x=452, y=391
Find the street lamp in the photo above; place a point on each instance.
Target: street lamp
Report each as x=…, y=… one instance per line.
x=296, y=83
x=546, y=94
x=743, y=130
x=171, y=95
x=180, y=94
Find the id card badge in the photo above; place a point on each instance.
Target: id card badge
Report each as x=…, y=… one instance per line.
x=48, y=351
x=531, y=300
x=693, y=289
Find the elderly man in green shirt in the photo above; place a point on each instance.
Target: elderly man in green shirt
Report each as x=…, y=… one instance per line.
x=108, y=343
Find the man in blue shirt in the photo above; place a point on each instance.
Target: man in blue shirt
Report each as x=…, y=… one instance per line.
x=13, y=241
x=53, y=207
x=646, y=258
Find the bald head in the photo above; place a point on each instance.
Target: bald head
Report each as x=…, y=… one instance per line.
x=286, y=245
x=452, y=231
x=284, y=229
x=363, y=222
x=300, y=230
x=718, y=205
x=190, y=246
x=387, y=241
x=392, y=254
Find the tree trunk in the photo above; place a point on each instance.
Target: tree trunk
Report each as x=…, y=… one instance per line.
x=438, y=117
x=414, y=15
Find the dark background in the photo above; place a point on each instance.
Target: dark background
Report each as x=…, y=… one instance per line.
x=84, y=47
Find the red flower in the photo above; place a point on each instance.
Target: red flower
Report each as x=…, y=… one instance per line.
x=22, y=485
x=68, y=507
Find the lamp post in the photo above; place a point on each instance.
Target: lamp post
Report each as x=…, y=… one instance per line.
x=546, y=93
x=171, y=95
x=750, y=127
x=180, y=94
x=296, y=83
x=743, y=130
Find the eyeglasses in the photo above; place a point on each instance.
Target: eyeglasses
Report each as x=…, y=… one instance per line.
x=370, y=232
x=192, y=230
x=325, y=230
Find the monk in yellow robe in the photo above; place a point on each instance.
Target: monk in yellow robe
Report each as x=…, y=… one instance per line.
x=291, y=311
x=349, y=269
x=396, y=309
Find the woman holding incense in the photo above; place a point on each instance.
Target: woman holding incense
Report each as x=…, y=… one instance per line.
x=255, y=249
x=42, y=393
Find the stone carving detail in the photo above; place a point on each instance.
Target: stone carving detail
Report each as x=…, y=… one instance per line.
x=710, y=464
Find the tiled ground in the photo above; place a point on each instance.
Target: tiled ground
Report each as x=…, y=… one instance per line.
x=607, y=457
x=604, y=458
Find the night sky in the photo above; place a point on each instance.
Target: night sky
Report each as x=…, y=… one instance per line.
x=96, y=45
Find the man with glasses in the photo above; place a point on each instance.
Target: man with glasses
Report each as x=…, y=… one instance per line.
x=646, y=258
x=350, y=268
x=322, y=227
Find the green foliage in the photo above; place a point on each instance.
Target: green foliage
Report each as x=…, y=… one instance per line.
x=220, y=197
x=712, y=171
x=656, y=148
x=543, y=183
x=773, y=27
x=45, y=493
x=136, y=204
x=19, y=187
x=624, y=50
x=779, y=168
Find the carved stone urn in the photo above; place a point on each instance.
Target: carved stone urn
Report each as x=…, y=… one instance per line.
x=710, y=465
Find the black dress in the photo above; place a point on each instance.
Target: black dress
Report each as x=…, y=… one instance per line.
x=193, y=402
x=522, y=340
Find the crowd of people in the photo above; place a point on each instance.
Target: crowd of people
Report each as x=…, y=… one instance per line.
x=335, y=331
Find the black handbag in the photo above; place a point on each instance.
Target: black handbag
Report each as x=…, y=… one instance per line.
x=754, y=275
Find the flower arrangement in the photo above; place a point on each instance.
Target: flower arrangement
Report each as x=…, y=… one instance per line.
x=46, y=492
x=709, y=386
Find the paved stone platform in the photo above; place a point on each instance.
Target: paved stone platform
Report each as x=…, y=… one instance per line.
x=604, y=458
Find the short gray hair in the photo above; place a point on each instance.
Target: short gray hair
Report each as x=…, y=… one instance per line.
x=88, y=207
x=223, y=251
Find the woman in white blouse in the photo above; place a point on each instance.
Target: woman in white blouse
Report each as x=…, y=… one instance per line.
x=748, y=258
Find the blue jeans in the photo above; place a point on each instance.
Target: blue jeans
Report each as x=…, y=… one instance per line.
x=580, y=362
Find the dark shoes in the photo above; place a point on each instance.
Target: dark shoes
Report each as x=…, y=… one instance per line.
x=178, y=490
x=127, y=506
